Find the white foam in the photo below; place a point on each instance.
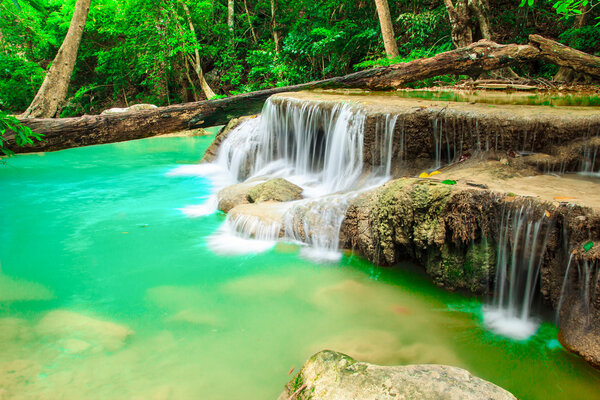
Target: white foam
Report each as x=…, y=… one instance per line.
x=200, y=210
x=227, y=242
x=319, y=255
x=500, y=321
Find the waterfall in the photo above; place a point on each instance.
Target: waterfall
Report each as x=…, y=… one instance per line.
x=521, y=247
x=384, y=135
x=582, y=284
x=590, y=162
x=315, y=145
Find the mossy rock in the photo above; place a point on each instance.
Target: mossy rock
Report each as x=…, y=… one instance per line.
x=276, y=189
x=329, y=375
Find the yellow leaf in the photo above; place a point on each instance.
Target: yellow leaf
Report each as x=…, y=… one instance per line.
x=424, y=175
x=435, y=173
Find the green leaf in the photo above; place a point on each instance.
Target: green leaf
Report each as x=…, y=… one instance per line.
x=588, y=246
x=449, y=182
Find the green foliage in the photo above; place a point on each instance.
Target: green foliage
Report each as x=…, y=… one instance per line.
x=413, y=55
x=23, y=135
x=585, y=39
x=142, y=51
x=19, y=80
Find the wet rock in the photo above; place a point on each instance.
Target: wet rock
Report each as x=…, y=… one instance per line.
x=329, y=375
x=233, y=195
x=276, y=189
x=565, y=158
x=579, y=332
x=262, y=220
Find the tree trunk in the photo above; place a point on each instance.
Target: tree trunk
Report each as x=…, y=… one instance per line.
x=208, y=92
x=51, y=96
x=566, y=74
x=230, y=19
x=250, y=22
x=460, y=22
x=481, y=10
x=476, y=58
x=274, y=25
x=387, y=30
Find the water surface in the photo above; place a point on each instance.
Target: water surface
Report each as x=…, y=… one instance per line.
x=109, y=291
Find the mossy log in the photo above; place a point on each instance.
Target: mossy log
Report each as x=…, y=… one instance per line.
x=474, y=59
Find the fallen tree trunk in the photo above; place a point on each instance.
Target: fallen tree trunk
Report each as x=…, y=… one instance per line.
x=565, y=56
x=471, y=60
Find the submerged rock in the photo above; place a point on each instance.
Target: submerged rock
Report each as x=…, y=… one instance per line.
x=78, y=332
x=276, y=189
x=329, y=375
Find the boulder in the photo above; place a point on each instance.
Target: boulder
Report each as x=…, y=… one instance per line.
x=329, y=375
x=232, y=196
x=579, y=329
x=276, y=189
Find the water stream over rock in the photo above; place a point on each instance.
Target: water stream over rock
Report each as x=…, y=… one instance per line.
x=340, y=152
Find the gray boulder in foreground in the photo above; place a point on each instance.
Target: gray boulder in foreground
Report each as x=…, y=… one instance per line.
x=329, y=375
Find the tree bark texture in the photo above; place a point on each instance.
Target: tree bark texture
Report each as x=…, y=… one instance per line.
x=474, y=59
x=387, y=30
x=460, y=22
x=50, y=98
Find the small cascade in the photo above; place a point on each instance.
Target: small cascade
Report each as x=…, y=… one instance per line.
x=311, y=144
x=580, y=283
x=238, y=152
x=384, y=135
x=590, y=161
x=317, y=222
x=315, y=145
x=446, y=143
x=244, y=234
x=521, y=247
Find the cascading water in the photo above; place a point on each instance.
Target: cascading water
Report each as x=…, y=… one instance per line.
x=581, y=281
x=521, y=247
x=315, y=145
x=244, y=234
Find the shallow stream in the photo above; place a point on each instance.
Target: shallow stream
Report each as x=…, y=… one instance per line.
x=109, y=290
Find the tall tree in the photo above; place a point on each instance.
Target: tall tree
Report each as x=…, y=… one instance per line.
x=387, y=30
x=195, y=61
x=461, y=18
x=460, y=21
x=230, y=17
x=50, y=98
x=274, y=25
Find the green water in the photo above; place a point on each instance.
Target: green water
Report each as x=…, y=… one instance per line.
x=108, y=291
